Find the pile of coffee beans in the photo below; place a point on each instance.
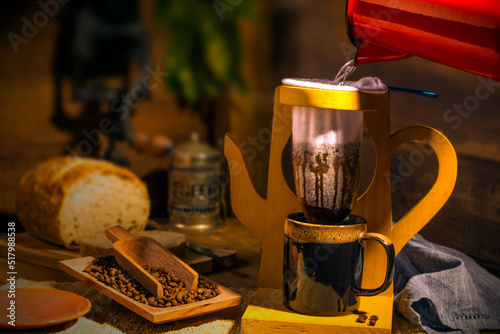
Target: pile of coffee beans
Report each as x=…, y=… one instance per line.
x=108, y=271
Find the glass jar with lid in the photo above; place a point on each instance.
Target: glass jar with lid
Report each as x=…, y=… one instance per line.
x=194, y=201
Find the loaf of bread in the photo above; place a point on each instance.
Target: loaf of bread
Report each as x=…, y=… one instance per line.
x=66, y=199
x=100, y=245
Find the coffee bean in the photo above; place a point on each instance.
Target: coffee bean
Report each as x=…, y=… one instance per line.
x=372, y=322
x=374, y=317
x=360, y=319
x=179, y=296
x=109, y=272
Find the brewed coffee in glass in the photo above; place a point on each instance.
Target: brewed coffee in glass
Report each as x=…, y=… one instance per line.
x=326, y=161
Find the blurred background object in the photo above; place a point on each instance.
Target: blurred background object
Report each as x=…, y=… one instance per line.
x=204, y=56
x=97, y=47
x=282, y=38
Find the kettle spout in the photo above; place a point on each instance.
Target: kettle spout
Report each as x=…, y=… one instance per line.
x=368, y=53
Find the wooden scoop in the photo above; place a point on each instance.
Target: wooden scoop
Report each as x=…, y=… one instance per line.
x=133, y=253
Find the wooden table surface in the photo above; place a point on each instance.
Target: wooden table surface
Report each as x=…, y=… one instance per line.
x=234, y=235
x=244, y=274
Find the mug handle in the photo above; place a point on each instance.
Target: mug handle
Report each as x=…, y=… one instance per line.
x=389, y=274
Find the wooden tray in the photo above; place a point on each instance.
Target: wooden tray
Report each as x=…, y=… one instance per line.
x=227, y=298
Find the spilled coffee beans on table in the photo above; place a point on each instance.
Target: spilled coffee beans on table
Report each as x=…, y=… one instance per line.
x=108, y=271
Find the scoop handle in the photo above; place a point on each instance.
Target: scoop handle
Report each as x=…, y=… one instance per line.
x=124, y=255
x=116, y=233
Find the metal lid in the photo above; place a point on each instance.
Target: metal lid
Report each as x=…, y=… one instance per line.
x=195, y=153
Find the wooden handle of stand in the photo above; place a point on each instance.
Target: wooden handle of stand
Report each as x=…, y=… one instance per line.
x=430, y=204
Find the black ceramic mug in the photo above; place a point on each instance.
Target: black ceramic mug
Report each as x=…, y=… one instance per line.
x=323, y=265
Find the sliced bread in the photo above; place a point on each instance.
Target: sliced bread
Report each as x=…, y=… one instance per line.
x=66, y=199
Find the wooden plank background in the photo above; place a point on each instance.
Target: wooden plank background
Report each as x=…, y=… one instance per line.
x=294, y=39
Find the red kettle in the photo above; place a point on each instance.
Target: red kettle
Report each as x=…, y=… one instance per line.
x=458, y=33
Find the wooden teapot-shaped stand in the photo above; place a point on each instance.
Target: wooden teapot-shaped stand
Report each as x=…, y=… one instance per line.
x=265, y=215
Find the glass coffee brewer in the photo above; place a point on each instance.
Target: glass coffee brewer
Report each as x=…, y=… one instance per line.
x=327, y=128
x=324, y=244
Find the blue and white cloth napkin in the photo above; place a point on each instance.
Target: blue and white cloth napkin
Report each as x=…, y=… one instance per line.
x=444, y=290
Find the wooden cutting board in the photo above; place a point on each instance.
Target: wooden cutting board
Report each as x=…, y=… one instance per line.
x=41, y=253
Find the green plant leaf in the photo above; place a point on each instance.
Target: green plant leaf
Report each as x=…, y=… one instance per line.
x=203, y=56
x=189, y=87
